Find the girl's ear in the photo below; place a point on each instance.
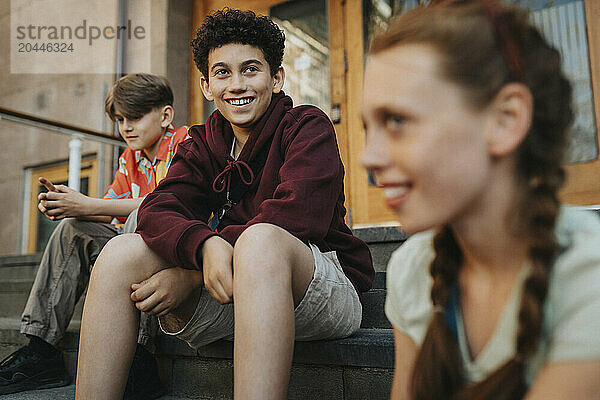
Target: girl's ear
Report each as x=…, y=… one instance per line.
x=167, y=116
x=205, y=86
x=512, y=112
x=278, y=80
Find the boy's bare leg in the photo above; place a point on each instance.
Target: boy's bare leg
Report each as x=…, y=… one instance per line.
x=110, y=320
x=272, y=271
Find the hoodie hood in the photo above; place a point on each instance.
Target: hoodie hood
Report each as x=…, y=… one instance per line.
x=219, y=133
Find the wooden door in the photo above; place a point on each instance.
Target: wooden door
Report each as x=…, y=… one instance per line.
x=364, y=202
x=583, y=179
x=201, y=8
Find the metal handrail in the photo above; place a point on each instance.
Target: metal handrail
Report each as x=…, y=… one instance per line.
x=60, y=127
x=76, y=133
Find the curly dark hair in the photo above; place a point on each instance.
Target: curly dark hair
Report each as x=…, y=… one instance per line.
x=227, y=26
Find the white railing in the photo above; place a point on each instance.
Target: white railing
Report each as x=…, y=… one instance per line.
x=75, y=132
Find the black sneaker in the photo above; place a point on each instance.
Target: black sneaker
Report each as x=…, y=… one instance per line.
x=143, y=382
x=26, y=369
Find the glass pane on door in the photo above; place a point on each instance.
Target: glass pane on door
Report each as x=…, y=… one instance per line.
x=376, y=14
x=563, y=23
x=306, y=56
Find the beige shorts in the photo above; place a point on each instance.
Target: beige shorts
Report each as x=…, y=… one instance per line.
x=330, y=309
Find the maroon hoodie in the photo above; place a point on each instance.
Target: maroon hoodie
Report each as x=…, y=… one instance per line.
x=299, y=189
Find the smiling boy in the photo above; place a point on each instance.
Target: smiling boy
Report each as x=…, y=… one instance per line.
x=142, y=106
x=282, y=260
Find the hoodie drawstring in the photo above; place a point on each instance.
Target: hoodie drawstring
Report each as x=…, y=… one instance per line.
x=223, y=180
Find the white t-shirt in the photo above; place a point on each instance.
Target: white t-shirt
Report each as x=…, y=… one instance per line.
x=571, y=327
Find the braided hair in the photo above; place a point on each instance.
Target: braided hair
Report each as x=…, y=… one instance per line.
x=483, y=46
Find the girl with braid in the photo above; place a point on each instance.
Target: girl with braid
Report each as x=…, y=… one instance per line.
x=496, y=295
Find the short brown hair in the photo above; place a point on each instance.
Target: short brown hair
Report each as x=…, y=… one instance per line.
x=135, y=95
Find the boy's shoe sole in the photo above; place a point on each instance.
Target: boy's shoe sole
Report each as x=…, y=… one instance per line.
x=43, y=380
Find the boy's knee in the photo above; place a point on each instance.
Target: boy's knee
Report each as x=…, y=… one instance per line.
x=261, y=241
x=258, y=235
x=121, y=252
x=126, y=244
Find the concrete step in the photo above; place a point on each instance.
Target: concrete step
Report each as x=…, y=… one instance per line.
x=382, y=242
x=358, y=367
x=19, y=263
x=374, y=309
x=62, y=393
x=14, y=293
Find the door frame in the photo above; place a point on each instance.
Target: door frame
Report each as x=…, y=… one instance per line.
x=365, y=203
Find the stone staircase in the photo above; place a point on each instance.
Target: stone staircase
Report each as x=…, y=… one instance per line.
x=358, y=367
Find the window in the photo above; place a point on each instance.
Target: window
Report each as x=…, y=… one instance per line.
x=567, y=25
x=563, y=23
x=38, y=228
x=306, y=56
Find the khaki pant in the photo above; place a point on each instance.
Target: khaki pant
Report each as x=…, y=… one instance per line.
x=330, y=309
x=63, y=276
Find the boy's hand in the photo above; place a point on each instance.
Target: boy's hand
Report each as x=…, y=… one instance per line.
x=46, y=182
x=217, y=268
x=166, y=290
x=62, y=201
